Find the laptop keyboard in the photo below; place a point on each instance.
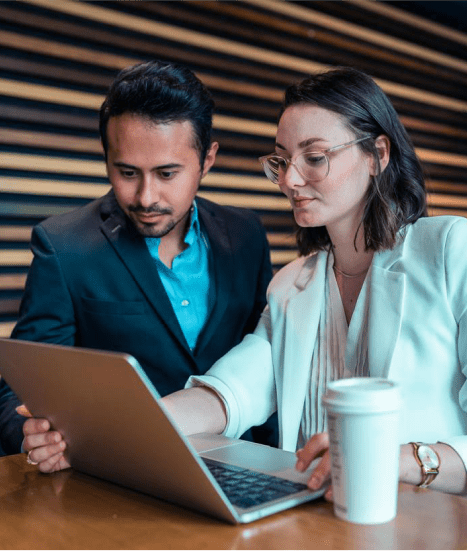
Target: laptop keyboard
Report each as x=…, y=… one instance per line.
x=246, y=488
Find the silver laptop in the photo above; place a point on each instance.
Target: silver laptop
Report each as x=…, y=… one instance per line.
x=116, y=428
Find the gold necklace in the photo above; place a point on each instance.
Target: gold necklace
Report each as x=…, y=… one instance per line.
x=349, y=275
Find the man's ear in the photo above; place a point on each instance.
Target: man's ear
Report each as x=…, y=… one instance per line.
x=210, y=158
x=383, y=147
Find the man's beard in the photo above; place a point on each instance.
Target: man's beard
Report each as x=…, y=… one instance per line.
x=148, y=229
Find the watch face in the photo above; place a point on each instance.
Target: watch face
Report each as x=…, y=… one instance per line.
x=428, y=457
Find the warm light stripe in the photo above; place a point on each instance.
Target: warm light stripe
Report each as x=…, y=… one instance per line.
x=235, y=124
x=12, y=282
x=15, y=233
x=283, y=257
x=282, y=239
x=442, y=157
x=42, y=163
x=453, y=187
x=440, y=200
x=6, y=327
x=12, y=136
x=443, y=212
x=356, y=31
x=242, y=87
x=53, y=188
x=416, y=94
x=62, y=49
x=417, y=21
x=15, y=257
x=50, y=94
x=228, y=181
x=261, y=202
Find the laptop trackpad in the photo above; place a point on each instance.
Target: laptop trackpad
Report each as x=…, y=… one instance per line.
x=254, y=456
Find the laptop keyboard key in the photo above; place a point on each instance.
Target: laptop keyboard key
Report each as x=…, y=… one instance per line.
x=246, y=488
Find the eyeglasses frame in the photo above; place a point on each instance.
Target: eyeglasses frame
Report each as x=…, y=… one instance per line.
x=265, y=158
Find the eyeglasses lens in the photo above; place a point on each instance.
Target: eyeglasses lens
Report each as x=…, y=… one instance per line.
x=312, y=166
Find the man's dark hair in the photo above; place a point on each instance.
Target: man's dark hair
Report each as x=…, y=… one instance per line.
x=397, y=196
x=163, y=93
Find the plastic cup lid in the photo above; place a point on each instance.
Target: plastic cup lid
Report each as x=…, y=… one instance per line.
x=363, y=394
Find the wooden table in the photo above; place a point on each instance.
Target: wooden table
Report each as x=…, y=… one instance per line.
x=69, y=510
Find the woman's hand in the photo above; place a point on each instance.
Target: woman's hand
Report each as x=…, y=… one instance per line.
x=317, y=446
x=44, y=447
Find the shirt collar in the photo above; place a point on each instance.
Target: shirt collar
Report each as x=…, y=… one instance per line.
x=194, y=231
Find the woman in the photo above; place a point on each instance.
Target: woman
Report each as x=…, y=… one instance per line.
x=379, y=290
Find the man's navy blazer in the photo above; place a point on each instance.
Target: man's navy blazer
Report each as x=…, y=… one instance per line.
x=93, y=284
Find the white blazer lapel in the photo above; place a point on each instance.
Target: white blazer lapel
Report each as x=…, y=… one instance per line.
x=300, y=328
x=384, y=317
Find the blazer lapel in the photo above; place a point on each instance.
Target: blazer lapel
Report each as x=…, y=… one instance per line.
x=385, y=315
x=132, y=250
x=300, y=328
x=222, y=270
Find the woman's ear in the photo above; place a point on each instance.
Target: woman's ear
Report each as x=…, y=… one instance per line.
x=383, y=147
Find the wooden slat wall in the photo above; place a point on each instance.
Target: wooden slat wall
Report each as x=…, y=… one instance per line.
x=58, y=57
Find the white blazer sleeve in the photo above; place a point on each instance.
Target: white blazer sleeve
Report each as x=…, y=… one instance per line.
x=244, y=379
x=456, y=277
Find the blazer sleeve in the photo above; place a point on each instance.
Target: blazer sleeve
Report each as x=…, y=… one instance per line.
x=244, y=380
x=11, y=424
x=46, y=312
x=456, y=278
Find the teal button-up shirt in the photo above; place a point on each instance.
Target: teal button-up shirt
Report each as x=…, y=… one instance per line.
x=188, y=283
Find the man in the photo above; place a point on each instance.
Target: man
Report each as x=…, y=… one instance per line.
x=149, y=269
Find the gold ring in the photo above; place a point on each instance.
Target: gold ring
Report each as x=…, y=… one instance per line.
x=30, y=461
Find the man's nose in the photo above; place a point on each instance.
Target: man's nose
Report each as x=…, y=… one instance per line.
x=148, y=192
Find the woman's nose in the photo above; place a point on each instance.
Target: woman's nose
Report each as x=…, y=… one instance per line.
x=292, y=177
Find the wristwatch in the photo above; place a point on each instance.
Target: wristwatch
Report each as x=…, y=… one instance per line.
x=429, y=462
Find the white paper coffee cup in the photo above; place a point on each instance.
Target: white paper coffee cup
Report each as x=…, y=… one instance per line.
x=363, y=427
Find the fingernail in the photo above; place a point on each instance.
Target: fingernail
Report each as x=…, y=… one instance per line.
x=300, y=466
x=314, y=483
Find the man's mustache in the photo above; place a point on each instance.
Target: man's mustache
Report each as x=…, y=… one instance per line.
x=153, y=209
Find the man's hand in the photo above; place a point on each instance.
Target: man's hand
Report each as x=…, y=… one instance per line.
x=44, y=446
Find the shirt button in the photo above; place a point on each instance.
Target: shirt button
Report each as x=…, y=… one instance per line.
x=185, y=302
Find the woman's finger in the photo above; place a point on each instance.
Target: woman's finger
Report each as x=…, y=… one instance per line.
x=322, y=473
x=315, y=447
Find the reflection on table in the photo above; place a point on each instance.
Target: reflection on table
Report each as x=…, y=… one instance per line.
x=69, y=510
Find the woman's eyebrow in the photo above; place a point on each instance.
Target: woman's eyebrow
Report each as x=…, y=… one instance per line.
x=310, y=141
x=303, y=144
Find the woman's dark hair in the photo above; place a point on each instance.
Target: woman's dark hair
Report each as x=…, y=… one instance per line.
x=163, y=93
x=397, y=196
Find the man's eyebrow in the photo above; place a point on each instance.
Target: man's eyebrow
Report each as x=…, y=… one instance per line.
x=124, y=165
x=120, y=164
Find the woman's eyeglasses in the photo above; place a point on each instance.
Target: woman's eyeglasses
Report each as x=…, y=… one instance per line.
x=313, y=166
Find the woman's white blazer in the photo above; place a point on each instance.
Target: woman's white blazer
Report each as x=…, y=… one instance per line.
x=417, y=336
